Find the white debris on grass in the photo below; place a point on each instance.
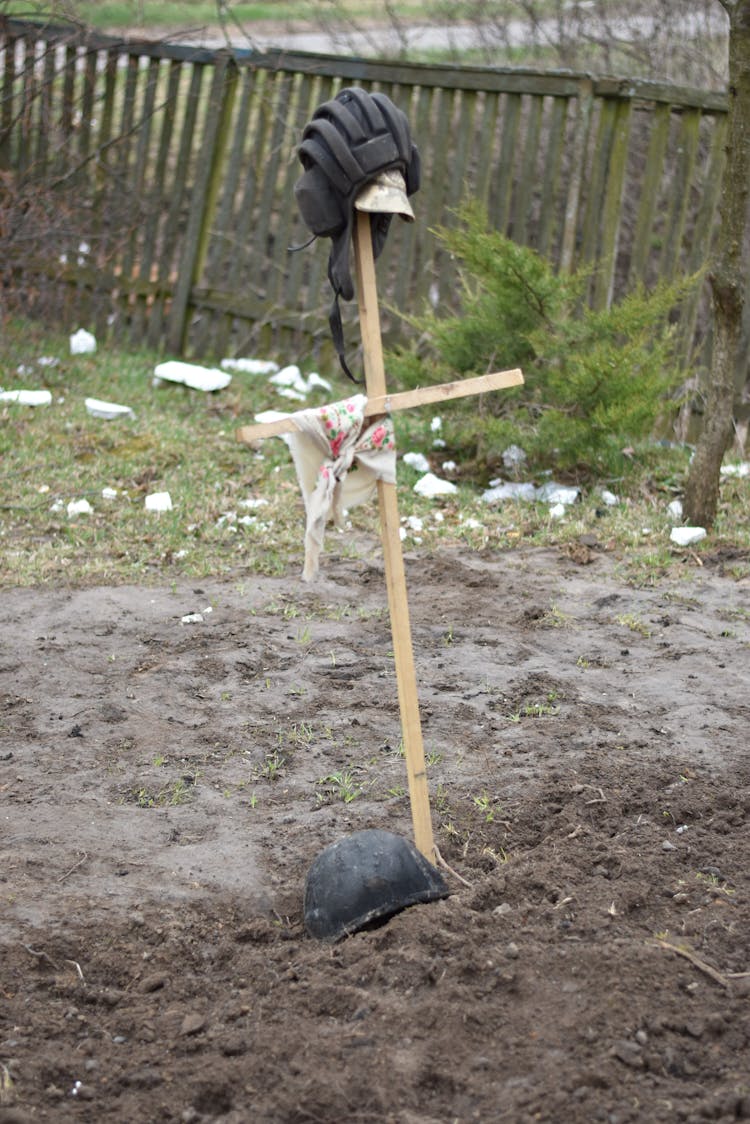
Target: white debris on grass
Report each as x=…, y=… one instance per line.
x=509, y=491
x=411, y=525
x=550, y=492
x=741, y=469
x=513, y=456
x=196, y=618
x=436, y=426
x=79, y=507
x=557, y=511
x=27, y=397
x=82, y=343
x=609, y=499
x=191, y=375
x=253, y=503
x=291, y=383
x=417, y=461
x=449, y=466
x=109, y=493
x=557, y=493
x=107, y=410
x=471, y=524
x=687, y=536
x=250, y=366
x=158, y=501
x=431, y=485
x=675, y=509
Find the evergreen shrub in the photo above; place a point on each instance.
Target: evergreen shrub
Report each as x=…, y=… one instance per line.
x=595, y=380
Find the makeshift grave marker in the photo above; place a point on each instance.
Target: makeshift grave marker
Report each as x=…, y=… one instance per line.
x=380, y=402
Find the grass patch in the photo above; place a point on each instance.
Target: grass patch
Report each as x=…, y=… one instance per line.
x=109, y=14
x=183, y=442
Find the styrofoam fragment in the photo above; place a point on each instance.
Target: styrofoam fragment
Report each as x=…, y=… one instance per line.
x=557, y=493
x=431, y=485
x=609, y=499
x=109, y=410
x=192, y=375
x=510, y=491
x=513, y=456
x=675, y=509
x=417, y=461
x=159, y=501
x=79, y=507
x=687, y=536
x=250, y=366
x=27, y=397
x=741, y=469
x=82, y=343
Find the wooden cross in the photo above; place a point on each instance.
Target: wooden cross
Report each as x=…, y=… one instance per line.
x=378, y=402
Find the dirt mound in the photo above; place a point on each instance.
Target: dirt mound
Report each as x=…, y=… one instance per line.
x=166, y=783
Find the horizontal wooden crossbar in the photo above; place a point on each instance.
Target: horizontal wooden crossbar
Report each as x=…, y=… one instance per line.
x=386, y=403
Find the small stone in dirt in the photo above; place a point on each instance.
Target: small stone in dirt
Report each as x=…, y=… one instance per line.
x=193, y=1023
x=154, y=982
x=629, y=1053
x=502, y=910
x=667, y=846
x=82, y=1092
x=512, y=950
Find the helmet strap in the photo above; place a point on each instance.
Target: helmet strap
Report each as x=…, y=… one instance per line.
x=337, y=334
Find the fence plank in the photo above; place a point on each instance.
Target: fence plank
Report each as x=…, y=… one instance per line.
x=500, y=204
x=8, y=107
x=154, y=201
x=205, y=188
x=584, y=106
x=185, y=186
x=551, y=175
x=176, y=190
x=612, y=207
x=680, y=194
x=649, y=195
x=527, y=178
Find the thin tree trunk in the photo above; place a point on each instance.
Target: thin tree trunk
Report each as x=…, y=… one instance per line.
x=727, y=280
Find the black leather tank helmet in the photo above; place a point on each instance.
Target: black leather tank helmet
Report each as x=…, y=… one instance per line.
x=347, y=144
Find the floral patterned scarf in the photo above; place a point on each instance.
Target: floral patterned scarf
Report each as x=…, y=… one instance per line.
x=338, y=465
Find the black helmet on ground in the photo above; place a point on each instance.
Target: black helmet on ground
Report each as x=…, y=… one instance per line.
x=347, y=144
x=366, y=877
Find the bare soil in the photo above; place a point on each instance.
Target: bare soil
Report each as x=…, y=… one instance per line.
x=163, y=792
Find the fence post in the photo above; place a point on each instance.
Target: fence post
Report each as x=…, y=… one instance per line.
x=580, y=142
x=203, y=199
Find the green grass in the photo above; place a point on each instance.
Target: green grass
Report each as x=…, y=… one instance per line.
x=183, y=442
x=116, y=14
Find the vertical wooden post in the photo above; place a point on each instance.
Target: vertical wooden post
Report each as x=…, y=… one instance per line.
x=411, y=728
x=202, y=200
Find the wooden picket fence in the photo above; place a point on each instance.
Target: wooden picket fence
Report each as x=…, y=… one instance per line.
x=147, y=188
